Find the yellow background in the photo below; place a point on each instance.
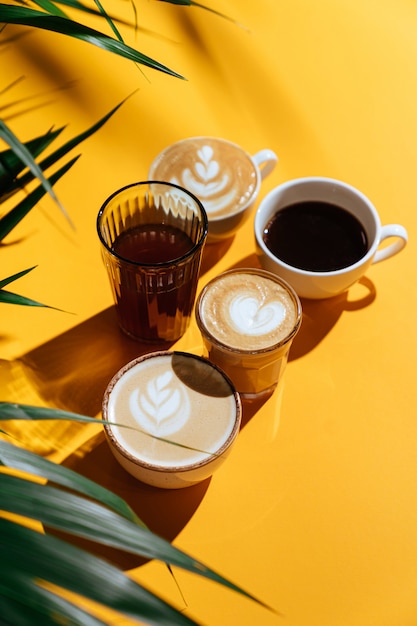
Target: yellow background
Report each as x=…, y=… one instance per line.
x=315, y=511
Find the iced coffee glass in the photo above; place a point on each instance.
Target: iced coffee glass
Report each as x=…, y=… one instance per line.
x=248, y=319
x=152, y=236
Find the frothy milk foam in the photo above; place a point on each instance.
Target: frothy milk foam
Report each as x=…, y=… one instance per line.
x=218, y=172
x=247, y=311
x=159, y=396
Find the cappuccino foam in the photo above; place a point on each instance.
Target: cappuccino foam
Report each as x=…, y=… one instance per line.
x=246, y=311
x=177, y=397
x=218, y=172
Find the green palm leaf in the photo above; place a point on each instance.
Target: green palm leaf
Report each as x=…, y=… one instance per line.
x=22, y=152
x=37, y=605
x=7, y=297
x=11, y=165
x=72, y=143
x=9, y=410
x=118, y=526
x=38, y=19
x=49, y=7
x=10, y=279
x=29, y=557
x=15, y=215
x=25, y=461
x=80, y=507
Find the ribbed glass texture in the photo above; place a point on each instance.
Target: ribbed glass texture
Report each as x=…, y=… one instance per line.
x=153, y=280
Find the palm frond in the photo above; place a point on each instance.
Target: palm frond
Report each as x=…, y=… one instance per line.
x=22, y=152
x=9, y=221
x=73, y=504
x=13, y=298
x=25, y=16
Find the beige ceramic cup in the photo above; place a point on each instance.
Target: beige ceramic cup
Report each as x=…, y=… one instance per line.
x=248, y=319
x=325, y=284
x=224, y=177
x=177, y=415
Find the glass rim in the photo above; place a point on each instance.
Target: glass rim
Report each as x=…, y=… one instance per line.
x=162, y=264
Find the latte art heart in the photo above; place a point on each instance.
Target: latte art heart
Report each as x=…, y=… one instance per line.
x=252, y=317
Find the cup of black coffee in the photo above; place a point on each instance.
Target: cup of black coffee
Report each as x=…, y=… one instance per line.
x=321, y=235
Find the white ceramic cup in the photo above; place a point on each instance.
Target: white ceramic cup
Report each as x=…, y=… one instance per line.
x=325, y=284
x=223, y=176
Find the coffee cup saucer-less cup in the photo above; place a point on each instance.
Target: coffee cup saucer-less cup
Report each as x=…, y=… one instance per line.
x=221, y=174
x=171, y=418
x=248, y=319
x=321, y=235
x=152, y=236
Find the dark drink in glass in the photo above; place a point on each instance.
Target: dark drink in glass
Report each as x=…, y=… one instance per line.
x=152, y=236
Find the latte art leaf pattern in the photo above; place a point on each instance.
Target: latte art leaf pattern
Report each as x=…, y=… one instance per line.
x=206, y=168
x=251, y=316
x=163, y=408
x=218, y=172
x=204, y=179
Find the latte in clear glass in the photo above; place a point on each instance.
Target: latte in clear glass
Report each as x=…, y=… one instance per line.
x=248, y=319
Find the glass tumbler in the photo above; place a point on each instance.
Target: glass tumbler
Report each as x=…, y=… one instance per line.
x=152, y=236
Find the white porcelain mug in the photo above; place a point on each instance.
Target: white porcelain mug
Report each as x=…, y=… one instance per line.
x=324, y=284
x=221, y=174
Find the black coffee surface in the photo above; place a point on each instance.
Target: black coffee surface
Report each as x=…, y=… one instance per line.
x=316, y=236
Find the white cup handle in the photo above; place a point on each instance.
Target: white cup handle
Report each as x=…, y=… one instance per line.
x=391, y=230
x=265, y=161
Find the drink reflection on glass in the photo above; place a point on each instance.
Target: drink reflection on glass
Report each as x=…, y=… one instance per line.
x=248, y=319
x=152, y=235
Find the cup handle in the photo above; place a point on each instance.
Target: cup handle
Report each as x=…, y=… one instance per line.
x=391, y=230
x=265, y=161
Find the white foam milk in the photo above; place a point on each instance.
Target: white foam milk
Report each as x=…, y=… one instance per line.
x=155, y=402
x=247, y=311
x=219, y=173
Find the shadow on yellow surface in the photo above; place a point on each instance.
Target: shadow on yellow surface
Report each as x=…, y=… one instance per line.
x=320, y=316
x=72, y=371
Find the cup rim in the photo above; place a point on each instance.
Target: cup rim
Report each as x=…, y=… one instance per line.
x=261, y=220
x=161, y=264
x=235, y=145
x=170, y=468
x=242, y=351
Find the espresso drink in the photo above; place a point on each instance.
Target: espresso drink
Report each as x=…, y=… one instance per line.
x=316, y=236
x=218, y=172
x=248, y=319
x=173, y=396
